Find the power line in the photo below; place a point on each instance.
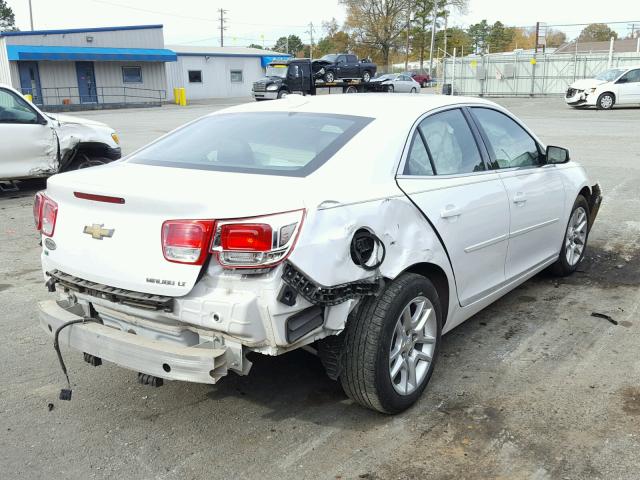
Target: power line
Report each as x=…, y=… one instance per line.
x=188, y=17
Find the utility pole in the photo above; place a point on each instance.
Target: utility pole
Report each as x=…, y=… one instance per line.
x=310, y=32
x=223, y=20
x=287, y=43
x=406, y=58
x=31, y=15
x=433, y=36
x=446, y=17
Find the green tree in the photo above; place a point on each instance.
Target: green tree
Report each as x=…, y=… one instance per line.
x=479, y=33
x=596, y=32
x=255, y=45
x=7, y=17
x=499, y=37
x=456, y=38
x=291, y=44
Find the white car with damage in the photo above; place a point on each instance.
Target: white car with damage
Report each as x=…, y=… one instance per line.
x=38, y=144
x=616, y=86
x=360, y=226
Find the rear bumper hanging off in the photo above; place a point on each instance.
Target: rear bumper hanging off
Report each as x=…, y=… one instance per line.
x=200, y=363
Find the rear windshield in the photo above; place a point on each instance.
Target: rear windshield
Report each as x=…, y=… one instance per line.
x=270, y=143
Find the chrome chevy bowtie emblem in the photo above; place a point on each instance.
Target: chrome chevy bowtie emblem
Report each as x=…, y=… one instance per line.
x=97, y=231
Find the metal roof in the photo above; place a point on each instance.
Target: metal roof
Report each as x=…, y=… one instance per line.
x=79, y=30
x=208, y=51
x=619, y=46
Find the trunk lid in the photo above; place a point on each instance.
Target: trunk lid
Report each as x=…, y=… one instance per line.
x=132, y=258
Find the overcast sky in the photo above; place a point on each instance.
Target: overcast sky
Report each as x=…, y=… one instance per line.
x=251, y=21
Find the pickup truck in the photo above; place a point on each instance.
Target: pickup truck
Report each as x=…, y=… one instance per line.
x=341, y=66
x=304, y=76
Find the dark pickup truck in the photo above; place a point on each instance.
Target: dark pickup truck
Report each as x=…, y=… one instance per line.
x=343, y=66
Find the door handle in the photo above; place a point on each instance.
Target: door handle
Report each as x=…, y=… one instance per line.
x=519, y=198
x=450, y=211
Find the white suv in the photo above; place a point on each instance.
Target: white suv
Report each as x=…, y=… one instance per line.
x=363, y=226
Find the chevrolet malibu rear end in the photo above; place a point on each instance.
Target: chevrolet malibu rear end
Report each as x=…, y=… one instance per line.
x=334, y=224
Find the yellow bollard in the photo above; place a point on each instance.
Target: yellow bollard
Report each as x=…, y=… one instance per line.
x=28, y=97
x=176, y=95
x=183, y=97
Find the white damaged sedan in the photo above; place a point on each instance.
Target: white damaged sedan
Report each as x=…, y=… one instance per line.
x=361, y=227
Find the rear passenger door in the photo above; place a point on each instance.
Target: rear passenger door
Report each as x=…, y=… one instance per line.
x=445, y=175
x=536, y=191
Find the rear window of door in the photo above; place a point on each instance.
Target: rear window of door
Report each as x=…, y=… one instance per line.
x=450, y=146
x=509, y=144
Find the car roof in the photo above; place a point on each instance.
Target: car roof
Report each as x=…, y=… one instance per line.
x=372, y=105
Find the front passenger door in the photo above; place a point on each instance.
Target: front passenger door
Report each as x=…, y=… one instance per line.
x=629, y=88
x=445, y=176
x=29, y=147
x=536, y=191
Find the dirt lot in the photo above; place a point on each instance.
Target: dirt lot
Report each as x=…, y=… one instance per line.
x=534, y=387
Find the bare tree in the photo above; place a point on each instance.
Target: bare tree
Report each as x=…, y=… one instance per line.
x=377, y=23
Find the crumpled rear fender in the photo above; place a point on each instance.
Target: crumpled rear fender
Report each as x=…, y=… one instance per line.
x=323, y=250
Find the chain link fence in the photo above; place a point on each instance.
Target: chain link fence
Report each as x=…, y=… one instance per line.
x=527, y=74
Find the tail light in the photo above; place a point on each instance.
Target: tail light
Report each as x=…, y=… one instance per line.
x=186, y=241
x=256, y=242
x=37, y=210
x=45, y=213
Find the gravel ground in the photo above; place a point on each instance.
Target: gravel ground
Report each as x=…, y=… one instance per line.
x=533, y=387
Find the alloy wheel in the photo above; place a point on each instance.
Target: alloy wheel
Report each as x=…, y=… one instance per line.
x=576, y=236
x=412, y=345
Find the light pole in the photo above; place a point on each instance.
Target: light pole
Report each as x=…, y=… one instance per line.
x=433, y=36
x=30, y=15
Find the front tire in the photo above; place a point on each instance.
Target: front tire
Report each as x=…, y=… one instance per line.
x=283, y=93
x=366, y=76
x=391, y=344
x=84, y=161
x=329, y=77
x=574, y=243
x=390, y=88
x=606, y=101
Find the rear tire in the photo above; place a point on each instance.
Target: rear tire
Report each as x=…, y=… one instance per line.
x=606, y=101
x=574, y=241
x=380, y=339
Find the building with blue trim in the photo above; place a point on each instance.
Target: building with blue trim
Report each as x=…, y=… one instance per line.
x=215, y=72
x=87, y=67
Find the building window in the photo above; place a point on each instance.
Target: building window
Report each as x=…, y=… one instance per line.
x=236, y=76
x=195, y=76
x=132, y=74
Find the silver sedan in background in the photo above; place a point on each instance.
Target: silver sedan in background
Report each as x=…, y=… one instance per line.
x=400, y=83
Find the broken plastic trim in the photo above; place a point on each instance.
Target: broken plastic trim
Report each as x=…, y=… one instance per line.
x=327, y=296
x=117, y=295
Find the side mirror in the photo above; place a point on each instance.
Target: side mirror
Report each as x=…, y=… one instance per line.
x=557, y=155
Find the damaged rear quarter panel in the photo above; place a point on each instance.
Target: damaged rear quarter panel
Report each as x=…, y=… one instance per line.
x=323, y=250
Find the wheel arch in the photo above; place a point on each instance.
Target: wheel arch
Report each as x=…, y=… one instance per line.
x=440, y=281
